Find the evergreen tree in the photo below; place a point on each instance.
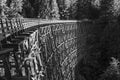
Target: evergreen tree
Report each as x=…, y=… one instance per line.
x=44, y=9
x=10, y=8
x=54, y=10
x=61, y=4
x=115, y=7
x=28, y=9
x=73, y=9
x=2, y=8
x=15, y=8
x=67, y=8
x=86, y=10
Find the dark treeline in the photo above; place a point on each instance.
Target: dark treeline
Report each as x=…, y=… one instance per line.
x=44, y=9
x=60, y=9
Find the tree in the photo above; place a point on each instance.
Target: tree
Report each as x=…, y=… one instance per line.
x=67, y=8
x=61, y=8
x=15, y=8
x=28, y=10
x=54, y=10
x=11, y=8
x=44, y=9
x=2, y=8
x=115, y=8
x=86, y=9
x=96, y=3
x=73, y=9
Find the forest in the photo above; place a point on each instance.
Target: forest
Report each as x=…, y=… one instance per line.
x=60, y=9
x=102, y=60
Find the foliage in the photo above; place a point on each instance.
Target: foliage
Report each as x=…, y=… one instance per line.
x=54, y=10
x=44, y=10
x=28, y=10
x=15, y=8
x=2, y=8
x=96, y=3
x=48, y=9
x=2, y=3
x=86, y=9
x=12, y=10
x=73, y=10
x=113, y=71
x=61, y=9
x=69, y=10
x=108, y=8
x=105, y=8
x=115, y=7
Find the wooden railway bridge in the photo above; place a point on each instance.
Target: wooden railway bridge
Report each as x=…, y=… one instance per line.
x=33, y=49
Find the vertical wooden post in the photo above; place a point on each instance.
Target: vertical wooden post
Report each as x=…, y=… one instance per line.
x=17, y=64
x=7, y=68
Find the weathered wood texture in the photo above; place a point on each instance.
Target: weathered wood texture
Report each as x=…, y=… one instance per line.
x=52, y=49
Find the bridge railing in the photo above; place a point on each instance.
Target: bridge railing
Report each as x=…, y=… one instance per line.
x=49, y=52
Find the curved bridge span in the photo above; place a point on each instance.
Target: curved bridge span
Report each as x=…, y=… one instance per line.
x=41, y=50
